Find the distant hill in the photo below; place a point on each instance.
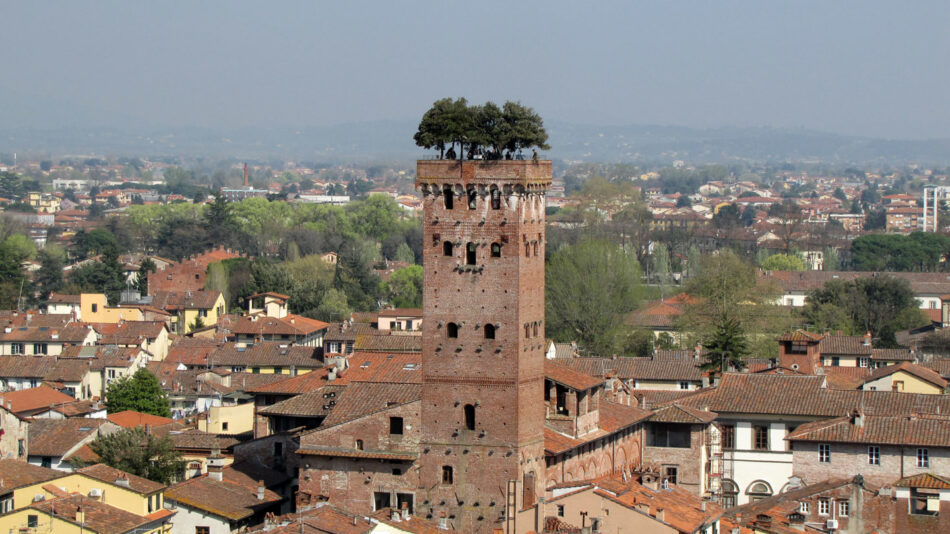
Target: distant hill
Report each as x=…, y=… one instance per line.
x=393, y=140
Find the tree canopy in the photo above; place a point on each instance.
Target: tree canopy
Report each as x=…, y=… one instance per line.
x=139, y=453
x=918, y=251
x=141, y=392
x=881, y=305
x=590, y=287
x=511, y=127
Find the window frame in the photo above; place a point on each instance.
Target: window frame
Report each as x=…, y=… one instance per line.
x=844, y=507
x=824, y=506
x=824, y=453
x=923, y=457
x=874, y=455
x=756, y=442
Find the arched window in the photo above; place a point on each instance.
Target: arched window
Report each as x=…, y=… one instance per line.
x=449, y=197
x=535, y=248
x=534, y=327
x=495, y=198
x=759, y=490
x=489, y=331
x=447, y=477
x=470, y=254
x=470, y=417
x=472, y=197
x=527, y=330
x=730, y=493
x=447, y=249
x=527, y=249
x=496, y=250
x=452, y=330
x=359, y=444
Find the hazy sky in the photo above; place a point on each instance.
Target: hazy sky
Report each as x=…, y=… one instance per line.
x=864, y=67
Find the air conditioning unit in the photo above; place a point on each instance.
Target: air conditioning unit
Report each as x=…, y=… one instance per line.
x=831, y=524
x=95, y=493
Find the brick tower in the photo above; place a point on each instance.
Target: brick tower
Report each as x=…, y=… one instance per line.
x=482, y=446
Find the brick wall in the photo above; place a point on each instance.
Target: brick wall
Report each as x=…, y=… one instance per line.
x=849, y=460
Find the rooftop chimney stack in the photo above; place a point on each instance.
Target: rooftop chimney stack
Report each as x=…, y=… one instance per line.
x=246, y=185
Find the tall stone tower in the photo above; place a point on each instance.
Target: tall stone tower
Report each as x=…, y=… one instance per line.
x=482, y=446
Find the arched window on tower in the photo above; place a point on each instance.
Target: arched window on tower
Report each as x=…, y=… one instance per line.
x=527, y=330
x=447, y=249
x=470, y=254
x=452, y=330
x=495, y=198
x=449, y=197
x=472, y=197
x=496, y=250
x=489, y=331
x=535, y=248
x=527, y=249
x=470, y=417
x=534, y=327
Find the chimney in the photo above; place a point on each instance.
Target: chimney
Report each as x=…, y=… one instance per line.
x=405, y=511
x=80, y=516
x=260, y=490
x=394, y=516
x=857, y=418
x=443, y=522
x=331, y=374
x=867, y=339
x=245, y=175
x=216, y=465
x=698, y=350
x=660, y=515
x=122, y=481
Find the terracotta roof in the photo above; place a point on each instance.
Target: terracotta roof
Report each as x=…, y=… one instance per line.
x=193, y=438
x=18, y=473
x=30, y=400
x=295, y=385
x=614, y=416
x=321, y=519
x=224, y=498
x=13, y=318
x=343, y=452
x=930, y=431
x=414, y=523
x=924, y=480
x=399, y=368
x=801, y=336
x=291, y=325
x=364, y=398
x=892, y=355
x=270, y=294
x=349, y=332
x=132, y=419
x=849, y=345
x=683, y=510
x=921, y=372
x=666, y=368
x=60, y=298
x=779, y=506
x=98, y=517
x=192, y=351
x=564, y=375
x=845, y=377
x=805, y=395
x=388, y=343
x=267, y=354
x=129, y=332
x=675, y=413
x=71, y=333
x=185, y=300
x=401, y=312
x=110, y=475
x=315, y=403
x=55, y=437
x=557, y=443
x=941, y=366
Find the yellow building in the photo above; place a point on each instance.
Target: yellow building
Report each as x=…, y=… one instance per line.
x=81, y=514
x=190, y=309
x=94, y=308
x=236, y=419
x=905, y=377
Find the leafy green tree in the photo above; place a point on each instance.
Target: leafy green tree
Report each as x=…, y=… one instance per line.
x=590, y=287
x=783, y=262
x=405, y=287
x=840, y=195
x=684, y=202
x=14, y=250
x=49, y=277
x=141, y=392
x=137, y=452
x=830, y=259
x=728, y=286
x=334, y=307
x=726, y=348
x=882, y=305
x=918, y=251
x=405, y=254
x=726, y=217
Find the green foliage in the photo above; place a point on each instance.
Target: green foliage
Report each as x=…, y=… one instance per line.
x=101, y=276
x=404, y=288
x=141, y=392
x=334, y=307
x=137, y=452
x=918, y=251
x=881, y=305
x=726, y=348
x=783, y=262
x=726, y=217
x=590, y=286
x=727, y=286
x=49, y=277
x=14, y=250
x=449, y=122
